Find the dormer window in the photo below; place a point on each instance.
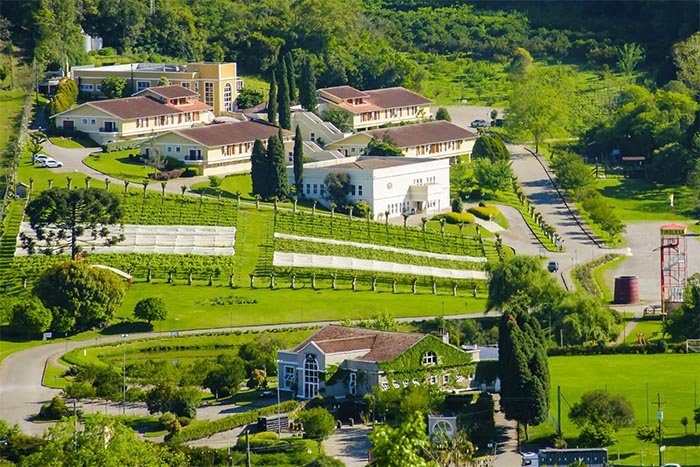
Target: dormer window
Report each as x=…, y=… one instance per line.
x=429, y=358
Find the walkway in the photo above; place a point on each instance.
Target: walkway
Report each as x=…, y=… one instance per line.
x=350, y=445
x=507, y=454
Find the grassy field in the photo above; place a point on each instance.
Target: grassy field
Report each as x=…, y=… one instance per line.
x=604, y=278
x=230, y=185
x=651, y=328
x=73, y=142
x=670, y=375
x=11, y=111
x=256, y=83
x=118, y=165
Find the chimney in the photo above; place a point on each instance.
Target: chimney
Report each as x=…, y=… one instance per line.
x=444, y=335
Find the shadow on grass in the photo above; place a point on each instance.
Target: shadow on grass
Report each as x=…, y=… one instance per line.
x=691, y=439
x=127, y=327
x=654, y=195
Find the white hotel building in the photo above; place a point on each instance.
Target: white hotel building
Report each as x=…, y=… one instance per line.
x=393, y=184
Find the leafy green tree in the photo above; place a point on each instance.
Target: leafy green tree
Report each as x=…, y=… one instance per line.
x=258, y=379
x=261, y=353
x=646, y=434
x=35, y=143
x=493, y=176
x=113, y=87
x=686, y=56
x=457, y=205
x=540, y=104
x=522, y=366
x=215, y=183
x=79, y=390
x=403, y=445
x=448, y=451
x=60, y=217
x=383, y=147
x=443, y=114
x=284, y=111
x=151, y=309
x=342, y=119
x=490, y=146
x=580, y=318
x=272, y=100
x=163, y=81
x=318, y=423
x=572, y=173
x=307, y=85
x=685, y=322
x=78, y=295
x=55, y=409
x=629, y=55
x=520, y=63
x=291, y=76
x=159, y=398
x=248, y=98
x=259, y=169
x=597, y=435
x=31, y=316
x=600, y=406
x=279, y=184
x=226, y=378
x=521, y=275
x=298, y=162
x=337, y=187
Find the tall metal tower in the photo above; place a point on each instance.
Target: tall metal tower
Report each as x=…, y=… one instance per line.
x=674, y=265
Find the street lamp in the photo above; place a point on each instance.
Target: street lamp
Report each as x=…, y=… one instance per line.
x=279, y=421
x=124, y=375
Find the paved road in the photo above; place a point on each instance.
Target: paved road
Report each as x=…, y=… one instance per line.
x=350, y=445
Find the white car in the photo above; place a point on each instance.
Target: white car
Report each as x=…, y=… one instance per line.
x=51, y=164
x=40, y=158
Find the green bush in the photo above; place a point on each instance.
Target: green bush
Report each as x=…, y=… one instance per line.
x=455, y=217
x=264, y=439
x=208, y=428
x=171, y=164
x=122, y=145
x=54, y=410
x=486, y=213
x=190, y=172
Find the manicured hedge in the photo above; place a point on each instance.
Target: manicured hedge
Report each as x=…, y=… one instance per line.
x=484, y=212
x=205, y=429
x=455, y=217
x=656, y=347
x=122, y=145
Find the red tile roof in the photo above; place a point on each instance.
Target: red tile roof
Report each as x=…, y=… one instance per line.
x=378, y=162
x=344, y=92
x=395, y=97
x=141, y=107
x=169, y=92
x=380, y=345
x=422, y=133
x=222, y=134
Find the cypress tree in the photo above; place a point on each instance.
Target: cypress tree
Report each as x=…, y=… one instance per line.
x=278, y=182
x=272, y=100
x=283, y=104
x=298, y=161
x=259, y=169
x=307, y=86
x=291, y=76
x=523, y=369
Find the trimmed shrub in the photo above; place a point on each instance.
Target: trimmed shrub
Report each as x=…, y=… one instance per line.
x=172, y=163
x=190, y=172
x=166, y=174
x=455, y=217
x=122, y=145
x=484, y=212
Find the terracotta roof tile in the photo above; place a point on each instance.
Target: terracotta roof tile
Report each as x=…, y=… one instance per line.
x=141, y=106
x=170, y=92
x=380, y=345
x=422, y=133
x=377, y=162
x=231, y=133
x=344, y=92
x=395, y=97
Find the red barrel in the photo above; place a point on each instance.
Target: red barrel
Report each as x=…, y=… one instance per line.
x=626, y=289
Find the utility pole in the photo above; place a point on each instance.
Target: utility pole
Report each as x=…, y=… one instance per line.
x=124, y=375
x=247, y=449
x=660, y=419
x=559, y=411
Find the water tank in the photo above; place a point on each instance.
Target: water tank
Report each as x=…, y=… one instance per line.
x=626, y=289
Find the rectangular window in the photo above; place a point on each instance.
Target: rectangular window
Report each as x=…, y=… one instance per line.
x=85, y=121
x=352, y=384
x=385, y=386
x=141, y=85
x=209, y=93
x=308, y=188
x=86, y=87
x=177, y=149
x=92, y=121
x=185, y=84
x=169, y=149
x=315, y=189
x=312, y=136
x=288, y=376
x=433, y=379
x=352, y=190
x=352, y=149
x=359, y=190
x=98, y=87
x=445, y=378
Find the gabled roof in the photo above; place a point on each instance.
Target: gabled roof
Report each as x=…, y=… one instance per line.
x=231, y=133
x=344, y=92
x=168, y=92
x=142, y=106
x=395, y=97
x=422, y=133
x=380, y=346
x=378, y=162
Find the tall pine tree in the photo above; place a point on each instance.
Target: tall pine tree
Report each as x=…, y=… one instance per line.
x=291, y=76
x=272, y=100
x=298, y=161
x=307, y=86
x=523, y=370
x=259, y=170
x=279, y=184
x=283, y=104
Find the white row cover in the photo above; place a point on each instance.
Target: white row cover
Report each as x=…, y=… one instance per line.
x=427, y=254
x=162, y=239
x=302, y=260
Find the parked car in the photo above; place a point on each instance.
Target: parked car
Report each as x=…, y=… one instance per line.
x=553, y=266
x=51, y=164
x=40, y=158
x=498, y=122
x=479, y=123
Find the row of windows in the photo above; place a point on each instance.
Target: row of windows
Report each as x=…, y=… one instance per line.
x=432, y=380
x=428, y=180
x=398, y=208
x=233, y=149
x=90, y=87
x=316, y=189
x=438, y=147
x=356, y=190
x=390, y=113
x=186, y=117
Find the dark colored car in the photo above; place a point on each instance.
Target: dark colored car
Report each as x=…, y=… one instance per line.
x=553, y=266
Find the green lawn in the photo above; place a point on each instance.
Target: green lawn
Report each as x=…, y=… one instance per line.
x=674, y=376
x=256, y=83
x=11, y=111
x=642, y=200
x=604, y=277
x=230, y=185
x=73, y=142
x=651, y=328
x=118, y=165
